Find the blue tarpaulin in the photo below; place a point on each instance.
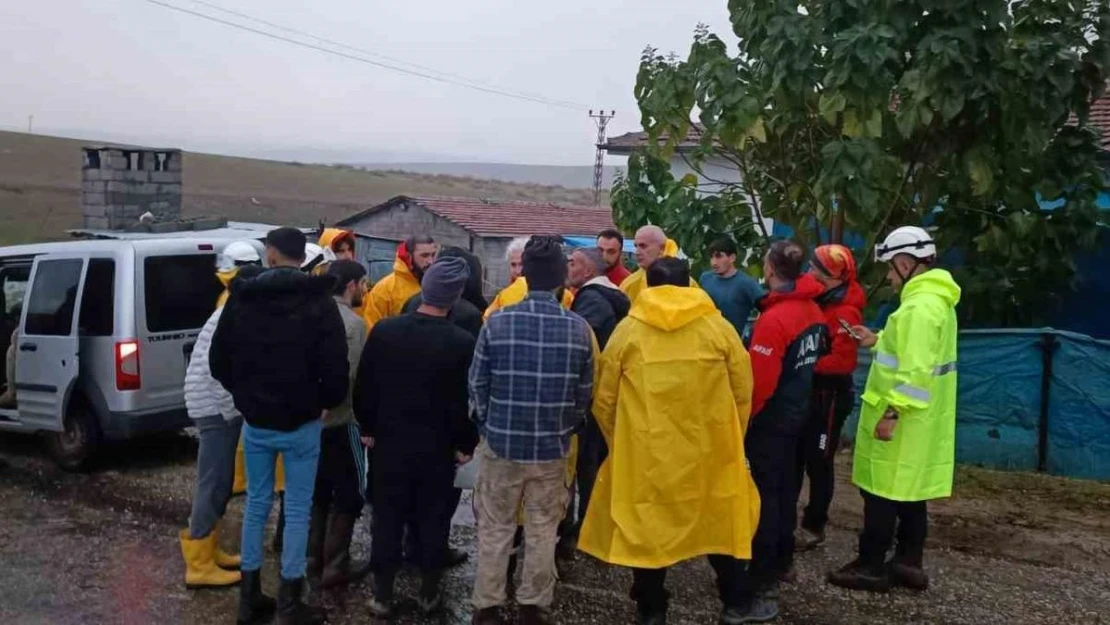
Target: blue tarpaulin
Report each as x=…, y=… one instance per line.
x=999, y=402
x=574, y=240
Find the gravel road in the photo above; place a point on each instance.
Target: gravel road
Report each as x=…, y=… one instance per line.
x=102, y=547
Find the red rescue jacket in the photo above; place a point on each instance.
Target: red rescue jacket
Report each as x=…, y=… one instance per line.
x=788, y=338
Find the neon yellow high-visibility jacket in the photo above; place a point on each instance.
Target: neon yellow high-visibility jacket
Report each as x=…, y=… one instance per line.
x=913, y=370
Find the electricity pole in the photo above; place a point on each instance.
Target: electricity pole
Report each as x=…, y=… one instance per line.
x=30, y=124
x=601, y=119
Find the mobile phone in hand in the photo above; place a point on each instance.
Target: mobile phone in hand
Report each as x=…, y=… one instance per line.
x=848, y=328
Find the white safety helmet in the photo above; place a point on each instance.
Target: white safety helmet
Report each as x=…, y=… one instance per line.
x=313, y=255
x=910, y=240
x=237, y=254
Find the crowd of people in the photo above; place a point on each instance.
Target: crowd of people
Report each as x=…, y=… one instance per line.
x=621, y=414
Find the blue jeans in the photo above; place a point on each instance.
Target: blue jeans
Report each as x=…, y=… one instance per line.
x=215, y=472
x=300, y=449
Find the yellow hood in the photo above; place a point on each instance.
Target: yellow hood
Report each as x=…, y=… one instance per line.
x=671, y=307
x=670, y=249
x=225, y=276
x=330, y=236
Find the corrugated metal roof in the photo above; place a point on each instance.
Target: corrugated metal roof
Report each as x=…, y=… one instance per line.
x=234, y=230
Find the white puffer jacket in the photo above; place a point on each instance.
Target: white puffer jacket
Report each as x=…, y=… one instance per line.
x=204, y=396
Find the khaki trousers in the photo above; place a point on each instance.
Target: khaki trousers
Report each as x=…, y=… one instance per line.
x=502, y=485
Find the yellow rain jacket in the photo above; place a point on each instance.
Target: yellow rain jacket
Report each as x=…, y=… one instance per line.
x=515, y=294
x=634, y=284
x=328, y=238
x=673, y=402
x=389, y=295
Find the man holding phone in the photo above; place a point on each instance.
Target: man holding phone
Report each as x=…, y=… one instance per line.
x=905, y=444
x=833, y=394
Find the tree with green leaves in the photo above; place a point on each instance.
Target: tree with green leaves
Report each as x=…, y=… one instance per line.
x=862, y=115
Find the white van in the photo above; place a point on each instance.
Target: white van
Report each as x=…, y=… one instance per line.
x=106, y=328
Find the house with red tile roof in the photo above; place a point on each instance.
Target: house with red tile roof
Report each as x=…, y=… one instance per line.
x=484, y=227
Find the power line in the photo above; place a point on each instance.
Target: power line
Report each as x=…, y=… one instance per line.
x=392, y=59
x=424, y=72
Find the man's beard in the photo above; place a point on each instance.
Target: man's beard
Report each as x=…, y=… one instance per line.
x=418, y=272
x=356, y=301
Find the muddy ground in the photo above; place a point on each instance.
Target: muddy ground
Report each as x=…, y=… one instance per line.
x=102, y=548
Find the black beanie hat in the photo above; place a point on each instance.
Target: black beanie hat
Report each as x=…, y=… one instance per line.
x=545, y=266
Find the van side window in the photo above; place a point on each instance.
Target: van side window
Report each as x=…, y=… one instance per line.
x=98, y=299
x=180, y=291
x=53, y=296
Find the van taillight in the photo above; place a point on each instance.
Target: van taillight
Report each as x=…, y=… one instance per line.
x=127, y=366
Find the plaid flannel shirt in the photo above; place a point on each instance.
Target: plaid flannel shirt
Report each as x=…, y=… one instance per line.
x=532, y=379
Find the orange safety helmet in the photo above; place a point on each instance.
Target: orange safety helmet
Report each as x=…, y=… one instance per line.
x=835, y=261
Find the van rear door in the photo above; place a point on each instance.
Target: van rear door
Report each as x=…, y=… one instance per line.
x=178, y=294
x=46, y=357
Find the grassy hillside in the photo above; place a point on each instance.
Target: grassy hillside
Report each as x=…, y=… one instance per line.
x=40, y=181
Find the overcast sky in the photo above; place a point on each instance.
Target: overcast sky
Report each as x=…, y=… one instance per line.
x=129, y=70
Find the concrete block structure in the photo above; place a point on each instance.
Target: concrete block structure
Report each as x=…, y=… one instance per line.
x=119, y=184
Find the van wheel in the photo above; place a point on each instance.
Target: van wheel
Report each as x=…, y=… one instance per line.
x=73, y=447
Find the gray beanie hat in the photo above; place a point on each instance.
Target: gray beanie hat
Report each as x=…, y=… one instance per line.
x=444, y=281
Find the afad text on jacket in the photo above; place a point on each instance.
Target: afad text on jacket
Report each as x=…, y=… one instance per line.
x=788, y=338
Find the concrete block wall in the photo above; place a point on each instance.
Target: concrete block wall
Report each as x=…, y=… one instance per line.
x=120, y=184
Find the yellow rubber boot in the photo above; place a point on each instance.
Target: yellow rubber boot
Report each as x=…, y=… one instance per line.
x=223, y=559
x=200, y=566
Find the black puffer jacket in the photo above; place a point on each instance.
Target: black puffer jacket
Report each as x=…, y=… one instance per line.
x=280, y=349
x=603, y=308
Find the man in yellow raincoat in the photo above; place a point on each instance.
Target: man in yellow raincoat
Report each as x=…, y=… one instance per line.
x=388, y=297
x=651, y=245
x=673, y=402
x=905, y=444
x=518, y=286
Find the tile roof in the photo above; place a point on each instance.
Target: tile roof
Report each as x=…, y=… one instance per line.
x=631, y=141
x=505, y=218
x=1100, y=119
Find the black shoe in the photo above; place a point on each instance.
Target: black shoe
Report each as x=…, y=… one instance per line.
x=430, y=598
x=381, y=605
x=908, y=575
x=292, y=610
x=487, y=616
x=254, y=607
x=856, y=576
x=453, y=557
x=381, y=608
x=339, y=569
x=534, y=615
x=650, y=616
x=807, y=539
x=760, y=610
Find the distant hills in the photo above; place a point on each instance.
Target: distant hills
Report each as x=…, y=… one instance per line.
x=40, y=185
x=570, y=176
